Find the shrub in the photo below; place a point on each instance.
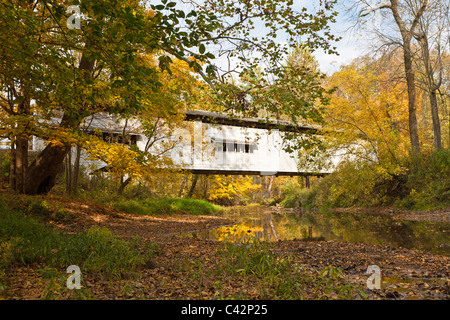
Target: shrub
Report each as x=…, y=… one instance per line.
x=429, y=185
x=294, y=196
x=424, y=185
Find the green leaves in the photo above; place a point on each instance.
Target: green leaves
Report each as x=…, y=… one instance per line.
x=202, y=48
x=103, y=66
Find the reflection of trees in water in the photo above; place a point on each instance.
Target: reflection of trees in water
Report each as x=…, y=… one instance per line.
x=348, y=227
x=367, y=228
x=261, y=227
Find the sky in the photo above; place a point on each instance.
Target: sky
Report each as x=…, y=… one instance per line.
x=352, y=45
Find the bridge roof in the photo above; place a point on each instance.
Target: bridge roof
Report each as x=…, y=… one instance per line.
x=259, y=123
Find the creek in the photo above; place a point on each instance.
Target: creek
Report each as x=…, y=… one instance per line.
x=270, y=224
x=284, y=224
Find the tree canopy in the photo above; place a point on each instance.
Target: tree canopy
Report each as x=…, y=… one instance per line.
x=51, y=71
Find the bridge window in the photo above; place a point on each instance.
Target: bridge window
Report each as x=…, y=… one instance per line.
x=114, y=137
x=240, y=147
x=234, y=146
x=230, y=147
x=218, y=147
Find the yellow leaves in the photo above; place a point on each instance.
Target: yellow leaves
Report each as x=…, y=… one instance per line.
x=223, y=187
x=120, y=159
x=151, y=13
x=370, y=104
x=180, y=89
x=238, y=232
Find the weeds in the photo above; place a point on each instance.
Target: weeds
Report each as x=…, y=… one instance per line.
x=55, y=286
x=281, y=277
x=331, y=284
x=277, y=276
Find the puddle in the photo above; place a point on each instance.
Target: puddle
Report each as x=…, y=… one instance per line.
x=267, y=225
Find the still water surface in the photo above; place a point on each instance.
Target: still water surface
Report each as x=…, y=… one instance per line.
x=272, y=225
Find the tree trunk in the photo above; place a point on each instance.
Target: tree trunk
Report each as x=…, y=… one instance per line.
x=407, y=35
x=76, y=170
x=194, y=182
x=19, y=142
x=42, y=172
x=268, y=187
x=307, y=182
x=68, y=171
x=436, y=122
x=123, y=184
x=412, y=101
x=432, y=87
x=12, y=165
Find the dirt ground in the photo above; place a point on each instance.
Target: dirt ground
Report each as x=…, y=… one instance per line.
x=406, y=274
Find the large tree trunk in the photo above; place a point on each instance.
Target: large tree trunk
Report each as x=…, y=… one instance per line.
x=412, y=101
x=42, y=172
x=433, y=87
x=407, y=35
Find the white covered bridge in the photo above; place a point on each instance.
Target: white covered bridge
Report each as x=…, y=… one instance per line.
x=240, y=146
x=215, y=143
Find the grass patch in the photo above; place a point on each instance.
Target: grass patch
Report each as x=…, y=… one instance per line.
x=168, y=206
x=41, y=209
x=276, y=277
x=24, y=240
